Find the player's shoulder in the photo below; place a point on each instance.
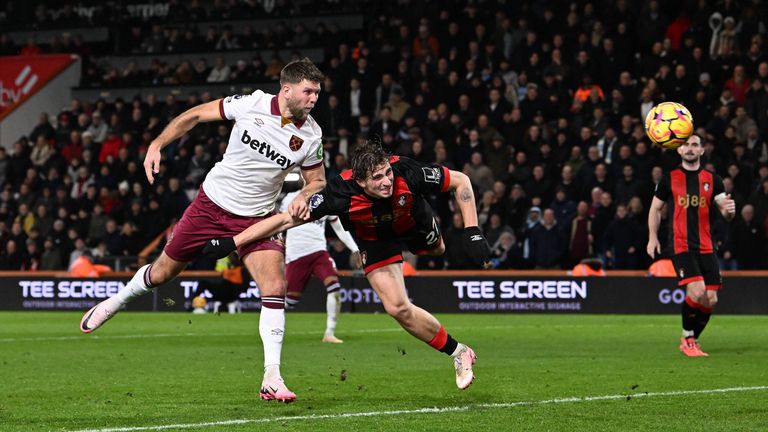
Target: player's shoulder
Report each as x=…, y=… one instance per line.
x=406, y=167
x=402, y=163
x=313, y=127
x=342, y=185
x=254, y=97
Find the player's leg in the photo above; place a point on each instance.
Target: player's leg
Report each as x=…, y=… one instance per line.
x=389, y=285
x=713, y=282
x=689, y=275
x=297, y=274
x=332, y=308
x=324, y=269
x=147, y=277
x=268, y=270
x=189, y=235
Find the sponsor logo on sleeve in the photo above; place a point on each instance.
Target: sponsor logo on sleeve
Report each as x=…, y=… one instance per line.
x=315, y=201
x=431, y=175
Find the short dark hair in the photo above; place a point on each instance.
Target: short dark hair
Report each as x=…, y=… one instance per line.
x=300, y=70
x=367, y=158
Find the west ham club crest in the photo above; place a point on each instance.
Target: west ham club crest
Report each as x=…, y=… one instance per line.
x=295, y=143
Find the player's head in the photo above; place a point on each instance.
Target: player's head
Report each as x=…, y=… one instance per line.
x=692, y=149
x=299, y=86
x=371, y=170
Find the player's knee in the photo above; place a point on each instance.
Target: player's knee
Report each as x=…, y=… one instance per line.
x=399, y=311
x=164, y=269
x=275, y=286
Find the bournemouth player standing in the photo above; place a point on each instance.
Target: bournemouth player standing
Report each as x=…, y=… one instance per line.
x=270, y=136
x=691, y=194
x=380, y=201
x=306, y=254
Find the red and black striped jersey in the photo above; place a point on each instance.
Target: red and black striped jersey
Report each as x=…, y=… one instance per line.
x=368, y=218
x=690, y=198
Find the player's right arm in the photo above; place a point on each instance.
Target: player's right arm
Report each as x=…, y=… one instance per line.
x=654, y=220
x=660, y=195
x=183, y=123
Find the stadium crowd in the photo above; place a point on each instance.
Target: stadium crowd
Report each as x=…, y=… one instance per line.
x=540, y=103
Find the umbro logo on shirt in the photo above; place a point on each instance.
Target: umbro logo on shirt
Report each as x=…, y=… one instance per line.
x=265, y=149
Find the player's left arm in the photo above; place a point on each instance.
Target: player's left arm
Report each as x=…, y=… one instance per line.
x=460, y=184
x=725, y=203
x=223, y=246
x=314, y=182
x=474, y=239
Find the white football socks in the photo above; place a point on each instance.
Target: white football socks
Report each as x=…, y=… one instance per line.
x=136, y=287
x=271, y=330
x=459, y=348
x=332, y=307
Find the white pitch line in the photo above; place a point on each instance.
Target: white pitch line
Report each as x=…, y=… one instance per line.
x=427, y=410
x=302, y=333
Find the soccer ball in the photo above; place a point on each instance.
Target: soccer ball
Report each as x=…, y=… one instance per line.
x=669, y=125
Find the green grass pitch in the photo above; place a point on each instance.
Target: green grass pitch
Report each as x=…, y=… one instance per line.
x=173, y=371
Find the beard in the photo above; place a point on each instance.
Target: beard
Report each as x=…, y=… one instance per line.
x=690, y=158
x=296, y=110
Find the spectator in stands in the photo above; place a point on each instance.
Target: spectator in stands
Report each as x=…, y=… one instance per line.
x=547, y=242
x=31, y=48
x=220, y=71
x=11, y=258
x=563, y=207
x=495, y=227
x=623, y=240
x=51, y=257
x=479, y=173
x=97, y=227
x=43, y=128
x=747, y=241
x=397, y=105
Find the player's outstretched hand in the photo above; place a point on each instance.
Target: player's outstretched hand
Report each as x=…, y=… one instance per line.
x=219, y=247
x=298, y=208
x=477, y=247
x=653, y=248
x=357, y=259
x=152, y=163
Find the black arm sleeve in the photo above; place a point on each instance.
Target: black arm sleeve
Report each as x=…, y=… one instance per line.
x=663, y=189
x=424, y=178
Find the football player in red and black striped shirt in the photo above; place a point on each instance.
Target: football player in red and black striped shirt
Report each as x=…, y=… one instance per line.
x=691, y=195
x=380, y=201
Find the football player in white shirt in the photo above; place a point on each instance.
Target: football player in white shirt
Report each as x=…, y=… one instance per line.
x=271, y=135
x=306, y=254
